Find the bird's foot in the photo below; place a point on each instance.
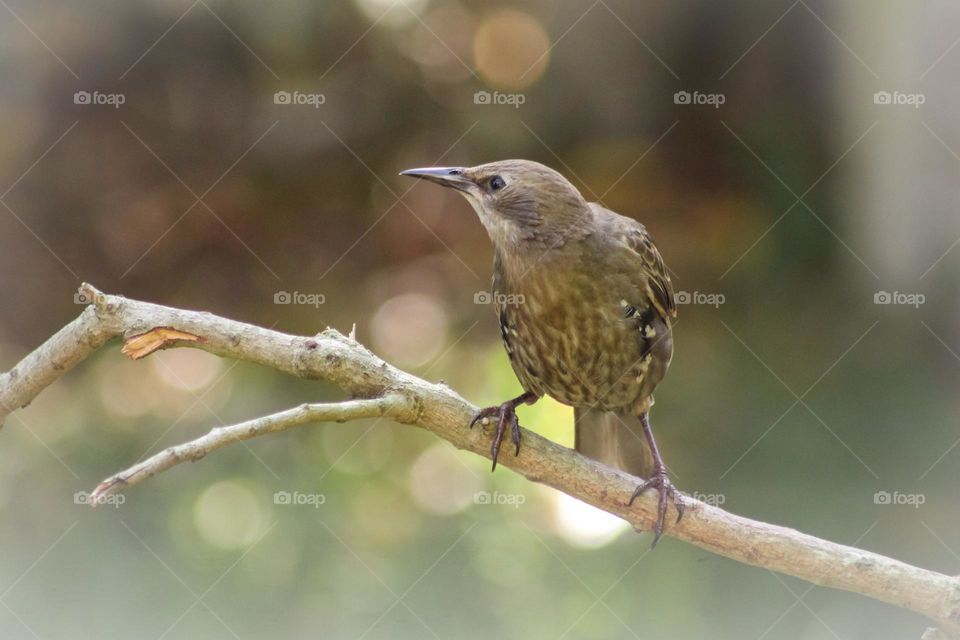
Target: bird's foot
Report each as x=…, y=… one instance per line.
x=665, y=489
x=506, y=414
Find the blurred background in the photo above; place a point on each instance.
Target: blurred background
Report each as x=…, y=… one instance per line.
x=797, y=163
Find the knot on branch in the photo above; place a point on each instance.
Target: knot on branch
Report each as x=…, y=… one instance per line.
x=406, y=406
x=101, y=303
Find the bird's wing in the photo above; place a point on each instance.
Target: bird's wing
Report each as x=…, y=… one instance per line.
x=658, y=279
x=497, y=289
x=639, y=242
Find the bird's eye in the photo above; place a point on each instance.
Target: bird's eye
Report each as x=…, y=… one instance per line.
x=496, y=182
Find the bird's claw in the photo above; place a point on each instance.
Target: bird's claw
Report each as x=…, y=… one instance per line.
x=483, y=414
x=664, y=488
x=505, y=413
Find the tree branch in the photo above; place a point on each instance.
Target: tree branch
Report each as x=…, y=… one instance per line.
x=390, y=405
x=380, y=389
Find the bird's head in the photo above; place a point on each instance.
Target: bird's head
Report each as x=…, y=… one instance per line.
x=516, y=200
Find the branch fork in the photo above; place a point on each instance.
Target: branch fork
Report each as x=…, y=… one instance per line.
x=378, y=389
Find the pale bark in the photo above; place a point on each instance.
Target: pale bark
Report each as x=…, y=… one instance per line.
x=378, y=389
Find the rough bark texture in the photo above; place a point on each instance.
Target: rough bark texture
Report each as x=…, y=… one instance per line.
x=379, y=389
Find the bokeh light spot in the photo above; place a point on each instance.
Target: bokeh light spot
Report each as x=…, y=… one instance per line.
x=440, y=483
x=511, y=49
x=126, y=391
x=410, y=330
x=393, y=13
x=186, y=369
x=228, y=515
x=584, y=525
x=442, y=45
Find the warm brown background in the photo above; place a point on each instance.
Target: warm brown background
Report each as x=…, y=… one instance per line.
x=303, y=199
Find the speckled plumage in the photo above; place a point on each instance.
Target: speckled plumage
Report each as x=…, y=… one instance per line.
x=586, y=319
x=585, y=305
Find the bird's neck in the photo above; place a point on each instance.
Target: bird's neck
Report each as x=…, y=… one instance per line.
x=536, y=251
x=551, y=231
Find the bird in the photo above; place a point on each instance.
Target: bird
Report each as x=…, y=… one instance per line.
x=585, y=306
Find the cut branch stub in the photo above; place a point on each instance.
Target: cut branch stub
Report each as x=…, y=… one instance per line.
x=142, y=345
x=380, y=390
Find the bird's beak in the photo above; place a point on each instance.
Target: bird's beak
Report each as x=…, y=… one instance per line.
x=453, y=177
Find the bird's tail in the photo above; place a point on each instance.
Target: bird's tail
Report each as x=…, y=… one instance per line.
x=614, y=438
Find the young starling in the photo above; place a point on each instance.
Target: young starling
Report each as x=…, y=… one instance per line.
x=585, y=307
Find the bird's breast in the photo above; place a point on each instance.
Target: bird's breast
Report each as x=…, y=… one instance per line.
x=569, y=338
